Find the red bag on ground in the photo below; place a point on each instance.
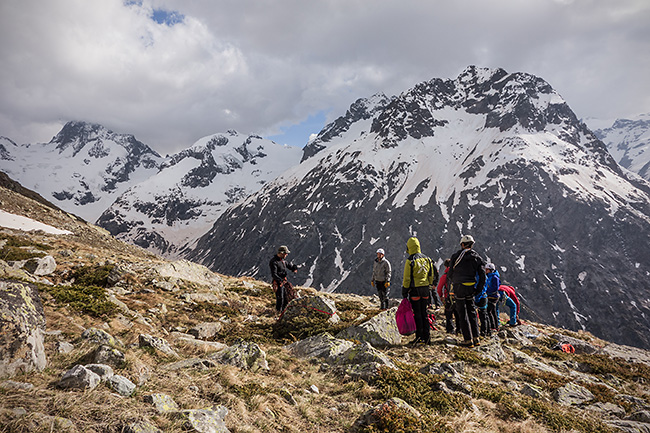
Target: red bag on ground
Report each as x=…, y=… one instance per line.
x=404, y=318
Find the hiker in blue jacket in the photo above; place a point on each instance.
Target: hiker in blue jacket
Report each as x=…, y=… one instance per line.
x=492, y=283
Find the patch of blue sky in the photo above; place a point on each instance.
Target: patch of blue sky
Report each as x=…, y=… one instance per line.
x=169, y=18
x=298, y=134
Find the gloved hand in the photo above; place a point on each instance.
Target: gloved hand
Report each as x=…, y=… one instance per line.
x=372, y=283
x=387, y=283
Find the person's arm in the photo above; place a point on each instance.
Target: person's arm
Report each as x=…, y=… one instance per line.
x=292, y=267
x=274, y=271
x=441, y=284
x=406, y=281
x=388, y=271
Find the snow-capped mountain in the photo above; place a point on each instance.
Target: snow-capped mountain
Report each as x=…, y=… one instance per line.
x=82, y=169
x=628, y=140
x=181, y=202
x=497, y=155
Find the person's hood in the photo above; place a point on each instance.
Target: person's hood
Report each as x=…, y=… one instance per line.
x=413, y=245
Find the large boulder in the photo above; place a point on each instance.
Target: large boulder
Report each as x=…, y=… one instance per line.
x=188, y=271
x=572, y=394
x=381, y=330
x=40, y=265
x=310, y=306
x=157, y=343
x=205, y=420
x=22, y=328
x=320, y=346
x=243, y=354
x=79, y=377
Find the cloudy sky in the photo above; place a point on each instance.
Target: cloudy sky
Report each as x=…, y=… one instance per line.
x=173, y=71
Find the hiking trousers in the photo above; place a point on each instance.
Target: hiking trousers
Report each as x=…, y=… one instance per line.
x=467, y=316
x=513, y=311
x=422, y=330
x=483, y=317
x=451, y=316
x=493, y=312
x=383, y=292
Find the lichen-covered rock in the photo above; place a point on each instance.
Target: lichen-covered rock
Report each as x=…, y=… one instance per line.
x=101, y=337
x=243, y=354
x=311, y=306
x=160, y=344
x=162, y=402
x=572, y=394
x=141, y=427
x=105, y=372
x=491, y=350
x=522, y=358
x=79, y=377
x=320, y=346
x=22, y=325
x=206, y=330
x=121, y=385
x=109, y=355
x=189, y=271
x=363, y=353
x=205, y=420
x=381, y=330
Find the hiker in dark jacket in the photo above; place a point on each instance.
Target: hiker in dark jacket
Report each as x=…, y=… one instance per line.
x=381, y=272
x=419, y=275
x=467, y=276
x=281, y=286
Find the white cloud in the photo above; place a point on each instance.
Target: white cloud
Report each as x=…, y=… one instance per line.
x=256, y=66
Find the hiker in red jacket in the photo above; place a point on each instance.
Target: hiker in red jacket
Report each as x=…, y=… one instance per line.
x=512, y=302
x=451, y=316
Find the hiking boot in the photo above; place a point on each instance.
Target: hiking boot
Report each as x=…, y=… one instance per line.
x=415, y=342
x=477, y=342
x=467, y=343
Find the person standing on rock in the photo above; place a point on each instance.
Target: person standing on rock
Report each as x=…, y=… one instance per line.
x=381, y=278
x=420, y=274
x=281, y=286
x=467, y=277
x=492, y=283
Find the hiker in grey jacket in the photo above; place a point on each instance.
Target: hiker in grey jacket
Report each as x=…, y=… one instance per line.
x=381, y=278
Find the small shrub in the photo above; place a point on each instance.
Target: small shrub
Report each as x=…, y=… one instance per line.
x=302, y=327
x=603, y=364
x=548, y=380
x=13, y=249
x=89, y=300
x=417, y=389
x=558, y=419
x=392, y=419
x=510, y=409
x=490, y=392
x=92, y=275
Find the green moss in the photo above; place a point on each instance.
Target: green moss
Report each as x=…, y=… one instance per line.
x=92, y=275
x=491, y=392
x=546, y=380
x=603, y=364
x=89, y=300
x=417, y=389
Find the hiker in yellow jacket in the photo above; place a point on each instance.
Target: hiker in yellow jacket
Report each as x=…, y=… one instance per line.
x=420, y=275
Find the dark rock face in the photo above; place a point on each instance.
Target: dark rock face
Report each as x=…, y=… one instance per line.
x=499, y=156
x=22, y=327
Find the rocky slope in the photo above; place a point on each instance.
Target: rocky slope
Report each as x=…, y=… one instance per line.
x=193, y=187
x=628, y=140
x=123, y=341
x=495, y=154
x=82, y=169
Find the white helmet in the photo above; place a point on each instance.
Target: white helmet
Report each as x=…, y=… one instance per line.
x=380, y=251
x=466, y=239
x=490, y=266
